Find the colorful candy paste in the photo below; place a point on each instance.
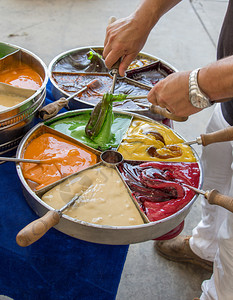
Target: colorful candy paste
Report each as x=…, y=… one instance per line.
x=103, y=198
x=7, y=101
x=75, y=127
x=139, y=62
x=158, y=186
x=64, y=158
x=70, y=83
x=142, y=137
x=21, y=75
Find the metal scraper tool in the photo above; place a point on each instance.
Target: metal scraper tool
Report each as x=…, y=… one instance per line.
x=222, y=135
x=214, y=197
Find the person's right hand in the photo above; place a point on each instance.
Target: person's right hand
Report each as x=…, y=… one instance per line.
x=124, y=39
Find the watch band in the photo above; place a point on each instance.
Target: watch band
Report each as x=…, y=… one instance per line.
x=196, y=96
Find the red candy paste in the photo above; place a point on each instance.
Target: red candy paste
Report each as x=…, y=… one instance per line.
x=157, y=186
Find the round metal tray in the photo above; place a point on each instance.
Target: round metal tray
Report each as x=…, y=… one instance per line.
x=158, y=65
x=116, y=235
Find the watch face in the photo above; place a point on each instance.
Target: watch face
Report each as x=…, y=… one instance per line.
x=199, y=101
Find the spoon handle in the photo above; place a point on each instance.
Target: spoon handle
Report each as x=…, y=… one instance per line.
x=167, y=114
x=222, y=135
x=36, y=229
x=214, y=197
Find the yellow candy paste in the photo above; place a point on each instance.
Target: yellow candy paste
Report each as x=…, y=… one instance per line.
x=140, y=137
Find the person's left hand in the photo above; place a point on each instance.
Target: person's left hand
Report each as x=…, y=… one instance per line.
x=172, y=93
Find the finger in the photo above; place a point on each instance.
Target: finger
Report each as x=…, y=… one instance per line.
x=111, y=59
x=107, y=35
x=125, y=62
x=170, y=109
x=152, y=98
x=107, y=47
x=162, y=104
x=108, y=43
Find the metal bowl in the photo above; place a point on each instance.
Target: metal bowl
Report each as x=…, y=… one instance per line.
x=131, y=77
x=116, y=235
x=17, y=120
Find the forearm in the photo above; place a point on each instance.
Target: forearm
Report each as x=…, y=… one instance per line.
x=126, y=37
x=216, y=79
x=150, y=11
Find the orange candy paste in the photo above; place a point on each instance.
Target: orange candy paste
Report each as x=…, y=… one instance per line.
x=22, y=76
x=64, y=158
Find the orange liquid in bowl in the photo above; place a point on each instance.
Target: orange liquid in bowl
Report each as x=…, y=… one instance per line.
x=64, y=158
x=22, y=76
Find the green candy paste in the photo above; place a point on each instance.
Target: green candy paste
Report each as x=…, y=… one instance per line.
x=74, y=127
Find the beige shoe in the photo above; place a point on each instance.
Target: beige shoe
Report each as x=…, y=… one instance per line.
x=178, y=250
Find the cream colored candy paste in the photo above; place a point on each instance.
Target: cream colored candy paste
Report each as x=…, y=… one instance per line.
x=7, y=101
x=103, y=198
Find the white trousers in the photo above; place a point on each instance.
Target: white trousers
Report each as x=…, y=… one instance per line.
x=212, y=239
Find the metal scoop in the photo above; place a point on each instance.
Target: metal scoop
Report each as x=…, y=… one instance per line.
x=36, y=229
x=214, y=197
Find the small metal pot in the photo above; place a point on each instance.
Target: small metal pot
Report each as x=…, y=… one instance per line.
x=17, y=120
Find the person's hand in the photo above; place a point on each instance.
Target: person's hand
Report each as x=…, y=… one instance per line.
x=173, y=93
x=124, y=39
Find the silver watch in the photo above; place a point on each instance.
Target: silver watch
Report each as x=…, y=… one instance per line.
x=196, y=96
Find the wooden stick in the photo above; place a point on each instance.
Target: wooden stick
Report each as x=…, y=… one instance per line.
x=222, y=135
x=214, y=197
x=36, y=229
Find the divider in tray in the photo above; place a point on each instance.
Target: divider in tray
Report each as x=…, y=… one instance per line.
x=21, y=70
x=21, y=75
x=150, y=74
